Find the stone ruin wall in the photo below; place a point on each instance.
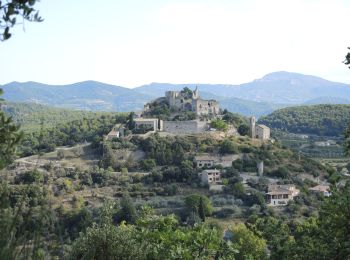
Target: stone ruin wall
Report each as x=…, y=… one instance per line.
x=204, y=108
x=185, y=127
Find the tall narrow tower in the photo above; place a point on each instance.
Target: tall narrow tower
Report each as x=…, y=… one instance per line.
x=260, y=166
x=195, y=93
x=252, y=126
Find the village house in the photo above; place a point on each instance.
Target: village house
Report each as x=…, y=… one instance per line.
x=116, y=132
x=209, y=177
x=322, y=189
x=208, y=160
x=279, y=195
x=112, y=134
x=262, y=132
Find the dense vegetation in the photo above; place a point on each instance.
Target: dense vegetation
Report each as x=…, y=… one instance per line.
x=322, y=237
x=9, y=138
x=36, y=230
x=120, y=230
x=46, y=128
x=68, y=134
x=326, y=120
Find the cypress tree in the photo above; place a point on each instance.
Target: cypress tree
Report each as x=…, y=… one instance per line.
x=201, y=210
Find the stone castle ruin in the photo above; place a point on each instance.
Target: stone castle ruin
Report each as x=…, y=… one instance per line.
x=181, y=102
x=187, y=100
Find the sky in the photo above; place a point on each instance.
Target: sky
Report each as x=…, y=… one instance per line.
x=135, y=42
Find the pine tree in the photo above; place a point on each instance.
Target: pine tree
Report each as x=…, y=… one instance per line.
x=9, y=138
x=347, y=59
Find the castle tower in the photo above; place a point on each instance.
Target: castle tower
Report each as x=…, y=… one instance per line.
x=252, y=126
x=171, y=97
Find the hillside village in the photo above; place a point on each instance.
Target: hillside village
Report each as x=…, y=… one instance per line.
x=210, y=166
x=186, y=139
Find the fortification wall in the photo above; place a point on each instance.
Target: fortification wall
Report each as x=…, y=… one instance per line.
x=185, y=127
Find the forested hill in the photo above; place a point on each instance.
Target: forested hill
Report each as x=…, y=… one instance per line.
x=30, y=116
x=327, y=120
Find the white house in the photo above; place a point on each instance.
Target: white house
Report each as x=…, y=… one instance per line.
x=279, y=195
x=210, y=177
x=208, y=160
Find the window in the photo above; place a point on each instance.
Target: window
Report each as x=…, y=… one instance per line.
x=285, y=196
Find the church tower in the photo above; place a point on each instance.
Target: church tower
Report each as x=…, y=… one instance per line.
x=252, y=126
x=195, y=93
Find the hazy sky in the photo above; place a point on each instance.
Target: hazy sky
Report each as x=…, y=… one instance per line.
x=130, y=43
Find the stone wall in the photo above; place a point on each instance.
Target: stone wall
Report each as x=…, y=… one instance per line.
x=185, y=127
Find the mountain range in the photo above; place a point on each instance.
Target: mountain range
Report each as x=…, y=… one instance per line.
x=259, y=97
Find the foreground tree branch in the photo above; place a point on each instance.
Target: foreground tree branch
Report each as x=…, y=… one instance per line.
x=13, y=10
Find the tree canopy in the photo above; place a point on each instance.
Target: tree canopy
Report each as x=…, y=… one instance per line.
x=328, y=120
x=9, y=138
x=12, y=10
x=347, y=59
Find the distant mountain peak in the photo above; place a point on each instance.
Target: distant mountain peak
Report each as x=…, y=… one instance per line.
x=284, y=75
x=275, y=89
